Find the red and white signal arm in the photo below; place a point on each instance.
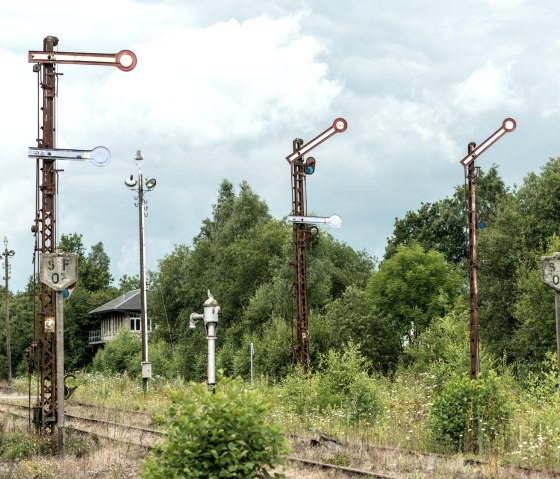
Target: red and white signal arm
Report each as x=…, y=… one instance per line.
x=551, y=271
x=58, y=270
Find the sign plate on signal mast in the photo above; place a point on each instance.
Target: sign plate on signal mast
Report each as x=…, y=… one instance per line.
x=551, y=271
x=58, y=270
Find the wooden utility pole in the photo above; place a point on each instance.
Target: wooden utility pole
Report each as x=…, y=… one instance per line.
x=7, y=253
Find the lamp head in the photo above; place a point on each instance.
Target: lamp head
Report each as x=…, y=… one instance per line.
x=138, y=158
x=130, y=182
x=151, y=183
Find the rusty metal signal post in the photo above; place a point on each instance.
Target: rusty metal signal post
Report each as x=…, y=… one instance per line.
x=42, y=354
x=303, y=234
x=471, y=173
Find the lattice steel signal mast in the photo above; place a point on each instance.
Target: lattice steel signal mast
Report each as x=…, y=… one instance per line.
x=42, y=353
x=303, y=234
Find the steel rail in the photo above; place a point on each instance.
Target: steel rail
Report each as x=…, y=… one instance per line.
x=348, y=470
x=306, y=462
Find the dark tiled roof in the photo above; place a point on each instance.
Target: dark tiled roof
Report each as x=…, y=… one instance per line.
x=125, y=302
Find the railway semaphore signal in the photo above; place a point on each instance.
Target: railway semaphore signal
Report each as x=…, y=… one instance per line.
x=508, y=125
x=304, y=234
x=43, y=349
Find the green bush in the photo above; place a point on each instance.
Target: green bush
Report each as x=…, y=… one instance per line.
x=341, y=385
x=443, y=347
x=344, y=384
x=271, y=350
x=122, y=353
x=221, y=435
x=298, y=392
x=470, y=415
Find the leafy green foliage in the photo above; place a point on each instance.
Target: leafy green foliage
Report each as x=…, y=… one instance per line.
x=243, y=256
x=535, y=332
x=271, y=346
x=16, y=446
x=412, y=288
x=128, y=283
x=342, y=384
x=470, y=415
x=21, y=332
x=122, y=353
x=78, y=323
x=221, y=435
x=440, y=226
x=522, y=228
x=232, y=255
x=444, y=348
x=93, y=268
x=353, y=318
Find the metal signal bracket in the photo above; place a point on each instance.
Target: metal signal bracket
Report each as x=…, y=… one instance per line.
x=99, y=156
x=124, y=60
x=333, y=221
x=339, y=125
x=508, y=125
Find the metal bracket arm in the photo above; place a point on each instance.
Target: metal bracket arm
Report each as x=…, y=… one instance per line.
x=334, y=221
x=508, y=125
x=99, y=156
x=124, y=60
x=339, y=125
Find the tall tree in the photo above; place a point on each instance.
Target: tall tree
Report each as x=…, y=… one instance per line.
x=522, y=229
x=96, y=273
x=413, y=287
x=231, y=256
x=93, y=289
x=441, y=225
x=93, y=269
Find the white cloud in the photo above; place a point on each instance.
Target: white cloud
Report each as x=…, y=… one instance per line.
x=506, y=4
x=231, y=81
x=486, y=89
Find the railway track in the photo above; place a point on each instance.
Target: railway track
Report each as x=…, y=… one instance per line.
x=147, y=437
x=101, y=422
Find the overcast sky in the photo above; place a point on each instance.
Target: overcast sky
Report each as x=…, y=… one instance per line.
x=222, y=87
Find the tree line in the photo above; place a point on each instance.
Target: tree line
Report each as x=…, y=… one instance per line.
x=398, y=310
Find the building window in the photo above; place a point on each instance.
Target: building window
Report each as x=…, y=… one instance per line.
x=134, y=322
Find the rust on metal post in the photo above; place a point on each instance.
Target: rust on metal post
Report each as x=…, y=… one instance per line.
x=46, y=353
x=42, y=353
x=508, y=125
x=471, y=174
x=300, y=238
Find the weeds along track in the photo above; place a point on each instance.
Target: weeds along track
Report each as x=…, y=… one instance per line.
x=147, y=437
x=105, y=428
x=317, y=453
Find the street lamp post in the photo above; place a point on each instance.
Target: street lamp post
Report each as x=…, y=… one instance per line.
x=140, y=186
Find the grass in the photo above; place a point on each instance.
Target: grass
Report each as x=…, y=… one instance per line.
x=533, y=439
